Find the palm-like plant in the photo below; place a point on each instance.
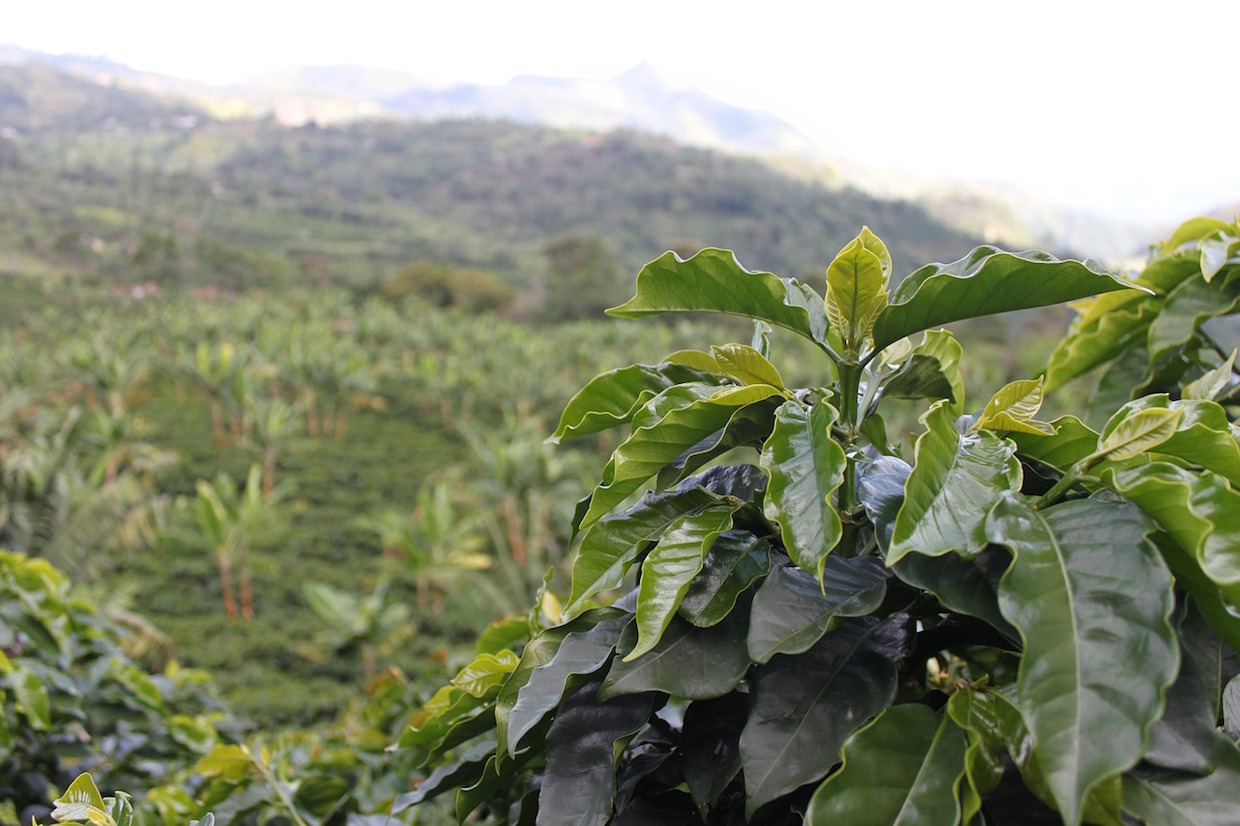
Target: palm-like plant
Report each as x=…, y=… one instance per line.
x=373, y=622
x=433, y=540
x=230, y=518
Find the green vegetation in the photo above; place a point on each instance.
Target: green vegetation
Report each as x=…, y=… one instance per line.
x=1018, y=621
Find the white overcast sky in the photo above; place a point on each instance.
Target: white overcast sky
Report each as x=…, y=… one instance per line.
x=1126, y=109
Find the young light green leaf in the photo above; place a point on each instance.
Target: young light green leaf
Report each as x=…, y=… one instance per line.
x=713, y=281
x=857, y=288
x=1138, y=433
x=1013, y=409
x=1216, y=251
x=987, y=281
x=670, y=567
x=1193, y=231
x=953, y=485
x=669, y=424
x=1092, y=601
x=806, y=467
x=1203, y=435
x=747, y=365
x=82, y=802
x=901, y=770
x=1212, y=384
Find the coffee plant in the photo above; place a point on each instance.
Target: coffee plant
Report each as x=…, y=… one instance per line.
x=1007, y=621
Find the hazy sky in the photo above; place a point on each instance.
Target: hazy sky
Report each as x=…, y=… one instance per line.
x=1122, y=108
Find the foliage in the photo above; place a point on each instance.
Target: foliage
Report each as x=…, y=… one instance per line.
x=73, y=700
x=443, y=285
x=1022, y=621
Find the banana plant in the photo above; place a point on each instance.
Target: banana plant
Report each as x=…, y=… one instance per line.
x=777, y=615
x=231, y=516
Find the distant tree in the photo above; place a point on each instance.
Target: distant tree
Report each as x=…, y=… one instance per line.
x=444, y=285
x=583, y=277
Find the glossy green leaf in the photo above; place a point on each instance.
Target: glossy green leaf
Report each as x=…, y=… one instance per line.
x=710, y=743
x=931, y=370
x=792, y=610
x=1201, y=512
x=1193, y=231
x=1013, y=409
x=1203, y=435
x=670, y=567
x=993, y=728
x=1071, y=442
x=612, y=398
x=805, y=706
x=857, y=288
x=713, y=281
x=579, y=784
x=688, y=662
x=1213, y=383
x=806, y=467
x=953, y=485
x=1217, y=251
x=1101, y=339
x=1167, y=798
x=1091, y=599
x=733, y=563
x=901, y=769
x=583, y=649
x=669, y=424
x=610, y=547
x=747, y=365
x=1137, y=433
x=1212, y=601
x=985, y=282
x=1185, y=308
x=958, y=583
x=750, y=427
x=485, y=674
x=1186, y=737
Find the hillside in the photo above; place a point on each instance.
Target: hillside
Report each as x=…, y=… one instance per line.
x=119, y=183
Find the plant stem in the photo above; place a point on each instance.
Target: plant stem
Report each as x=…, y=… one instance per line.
x=850, y=382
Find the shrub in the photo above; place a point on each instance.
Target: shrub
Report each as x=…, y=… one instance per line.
x=1016, y=621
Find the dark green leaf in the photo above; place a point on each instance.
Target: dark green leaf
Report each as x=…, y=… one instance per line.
x=447, y=776
x=750, y=427
x=994, y=728
x=580, y=783
x=1092, y=600
x=792, y=610
x=805, y=706
x=1167, y=798
x=921, y=377
x=806, y=466
x=985, y=282
x=668, y=425
x=735, y=560
x=710, y=742
x=670, y=567
x=713, y=281
x=612, y=398
x=1185, y=738
x=959, y=584
x=901, y=769
x=880, y=489
x=688, y=662
x=610, y=547
x=582, y=650
x=955, y=481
